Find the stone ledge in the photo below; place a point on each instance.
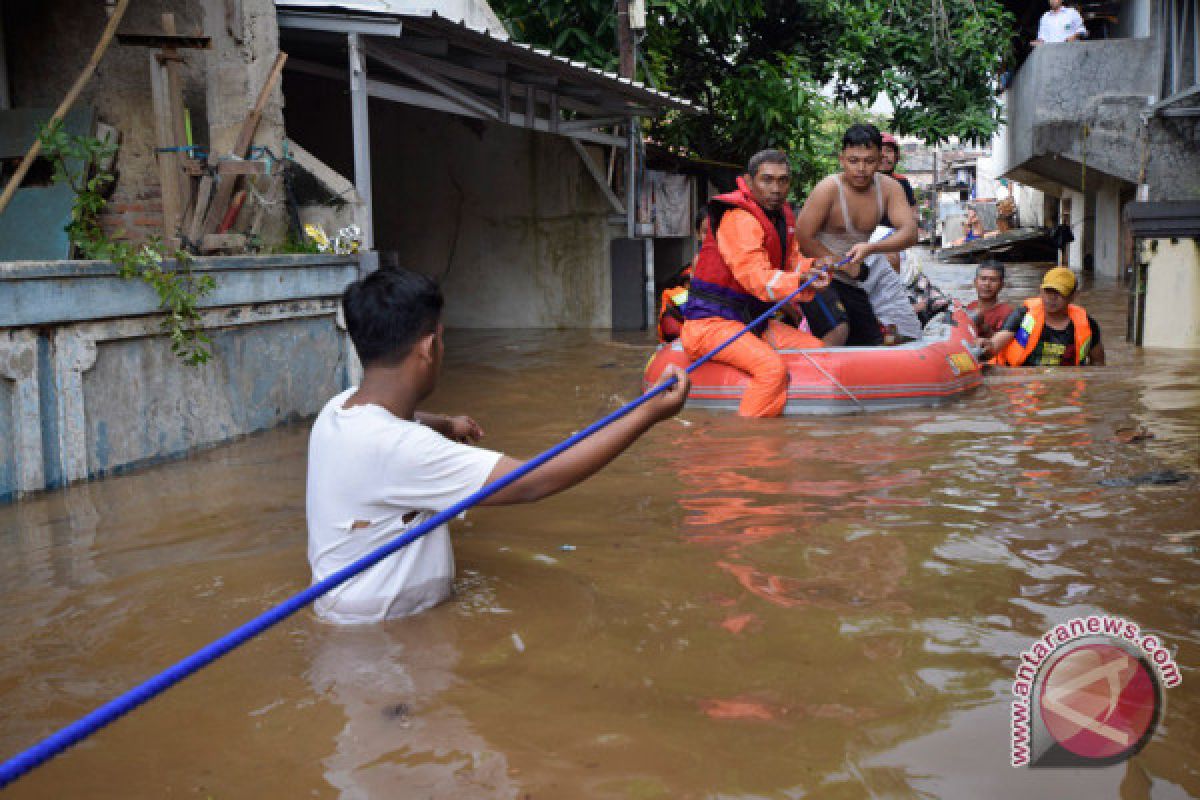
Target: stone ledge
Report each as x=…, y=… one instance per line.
x=56, y=292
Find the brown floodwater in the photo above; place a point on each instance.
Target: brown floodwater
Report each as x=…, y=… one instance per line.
x=810, y=607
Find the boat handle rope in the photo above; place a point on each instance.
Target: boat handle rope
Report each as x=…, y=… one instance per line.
x=114, y=709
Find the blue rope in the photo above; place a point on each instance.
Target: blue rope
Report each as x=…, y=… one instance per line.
x=85, y=726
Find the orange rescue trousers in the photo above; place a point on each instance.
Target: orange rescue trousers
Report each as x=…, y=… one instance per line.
x=766, y=394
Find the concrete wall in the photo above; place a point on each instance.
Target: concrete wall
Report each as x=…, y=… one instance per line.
x=49, y=42
x=1107, y=249
x=1084, y=103
x=1075, y=103
x=1172, y=293
x=507, y=219
x=89, y=386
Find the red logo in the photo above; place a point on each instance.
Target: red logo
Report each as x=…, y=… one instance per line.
x=1099, y=702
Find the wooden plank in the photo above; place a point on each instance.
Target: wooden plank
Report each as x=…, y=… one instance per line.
x=171, y=60
x=224, y=189
x=222, y=241
x=169, y=173
x=200, y=207
x=598, y=176
x=241, y=167
x=160, y=41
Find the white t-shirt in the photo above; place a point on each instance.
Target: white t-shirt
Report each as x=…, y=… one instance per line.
x=1056, y=26
x=371, y=477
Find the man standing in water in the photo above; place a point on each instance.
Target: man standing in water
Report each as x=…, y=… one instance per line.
x=988, y=312
x=377, y=467
x=1049, y=331
x=837, y=221
x=749, y=262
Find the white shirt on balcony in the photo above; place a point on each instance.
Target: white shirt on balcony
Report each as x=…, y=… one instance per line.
x=1058, y=26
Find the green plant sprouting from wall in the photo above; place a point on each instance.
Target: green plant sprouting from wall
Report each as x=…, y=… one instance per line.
x=81, y=162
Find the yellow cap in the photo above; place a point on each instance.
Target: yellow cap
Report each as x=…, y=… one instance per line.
x=1060, y=279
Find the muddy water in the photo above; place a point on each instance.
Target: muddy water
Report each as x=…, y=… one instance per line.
x=814, y=607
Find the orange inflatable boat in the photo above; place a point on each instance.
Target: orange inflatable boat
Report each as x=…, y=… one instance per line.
x=837, y=380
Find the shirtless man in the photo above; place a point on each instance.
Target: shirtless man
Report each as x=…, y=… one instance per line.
x=837, y=220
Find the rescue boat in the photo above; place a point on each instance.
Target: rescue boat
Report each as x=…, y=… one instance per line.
x=937, y=368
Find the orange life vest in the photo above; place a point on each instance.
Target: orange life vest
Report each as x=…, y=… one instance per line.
x=1030, y=335
x=670, y=314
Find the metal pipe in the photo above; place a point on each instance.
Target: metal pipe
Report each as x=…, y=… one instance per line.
x=631, y=178
x=648, y=265
x=361, y=126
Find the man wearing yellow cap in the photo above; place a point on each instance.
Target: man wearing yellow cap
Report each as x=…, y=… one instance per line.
x=1048, y=331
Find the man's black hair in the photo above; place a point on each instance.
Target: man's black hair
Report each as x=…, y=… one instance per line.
x=862, y=135
x=703, y=215
x=993, y=265
x=388, y=312
x=766, y=157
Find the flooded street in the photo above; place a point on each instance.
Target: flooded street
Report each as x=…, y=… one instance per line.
x=829, y=607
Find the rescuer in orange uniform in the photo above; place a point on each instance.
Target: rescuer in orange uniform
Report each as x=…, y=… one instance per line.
x=749, y=261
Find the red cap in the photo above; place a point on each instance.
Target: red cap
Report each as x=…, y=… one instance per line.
x=888, y=138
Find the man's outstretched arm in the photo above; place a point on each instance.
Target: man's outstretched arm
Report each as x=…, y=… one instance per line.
x=590, y=455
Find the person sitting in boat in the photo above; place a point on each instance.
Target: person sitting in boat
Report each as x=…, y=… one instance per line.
x=927, y=300
x=888, y=294
x=750, y=261
x=837, y=221
x=974, y=228
x=988, y=313
x=675, y=293
x=1048, y=331
x=377, y=466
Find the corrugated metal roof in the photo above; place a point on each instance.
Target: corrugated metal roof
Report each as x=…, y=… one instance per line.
x=467, y=19
x=475, y=14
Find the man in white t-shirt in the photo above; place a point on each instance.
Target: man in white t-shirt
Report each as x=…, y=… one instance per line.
x=1060, y=24
x=377, y=467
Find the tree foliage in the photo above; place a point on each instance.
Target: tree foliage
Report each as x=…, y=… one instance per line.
x=776, y=72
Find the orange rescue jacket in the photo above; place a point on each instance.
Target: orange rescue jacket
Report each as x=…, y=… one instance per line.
x=1030, y=335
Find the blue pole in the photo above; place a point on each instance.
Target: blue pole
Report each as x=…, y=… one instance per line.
x=85, y=726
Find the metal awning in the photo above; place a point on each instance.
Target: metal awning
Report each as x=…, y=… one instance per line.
x=449, y=65
x=454, y=56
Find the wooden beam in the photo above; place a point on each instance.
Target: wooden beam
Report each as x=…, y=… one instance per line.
x=491, y=66
x=167, y=102
x=426, y=47
x=598, y=176
x=224, y=189
x=402, y=63
x=223, y=241
x=408, y=95
x=233, y=167
x=584, y=124
x=161, y=41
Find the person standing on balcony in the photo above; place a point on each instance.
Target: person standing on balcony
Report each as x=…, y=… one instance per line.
x=1060, y=24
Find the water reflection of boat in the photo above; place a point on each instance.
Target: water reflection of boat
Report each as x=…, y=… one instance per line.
x=837, y=380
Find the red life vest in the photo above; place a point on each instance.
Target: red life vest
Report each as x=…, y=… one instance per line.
x=1030, y=335
x=715, y=292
